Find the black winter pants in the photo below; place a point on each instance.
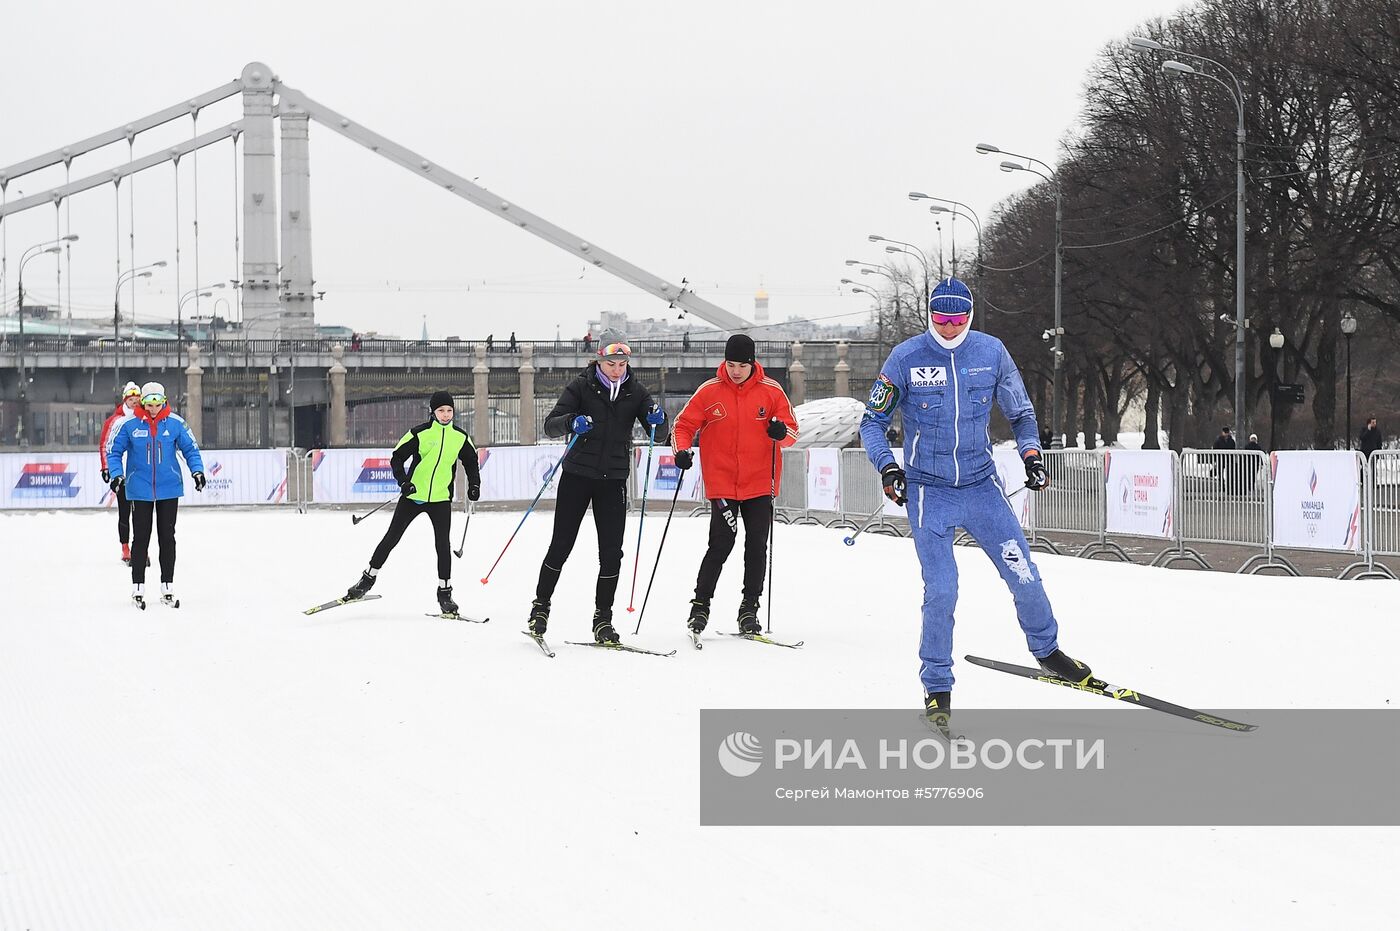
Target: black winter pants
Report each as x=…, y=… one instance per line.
x=142, y=513
x=757, y=514
x=439, y=512
x=609, y=499
x=123, y=516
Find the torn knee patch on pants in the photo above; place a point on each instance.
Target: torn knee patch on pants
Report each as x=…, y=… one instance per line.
x=1018, y=561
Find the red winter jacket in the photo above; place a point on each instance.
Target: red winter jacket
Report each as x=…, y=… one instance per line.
x=736, y=453
x=109, y=430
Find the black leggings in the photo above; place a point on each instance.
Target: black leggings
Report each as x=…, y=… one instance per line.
x=724, y=527
x=164, y=512
x=123, y=516
x=439, y=512
x=609, y=499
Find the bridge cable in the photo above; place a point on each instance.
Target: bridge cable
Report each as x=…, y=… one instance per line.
x=194, y=133
x=131, y=218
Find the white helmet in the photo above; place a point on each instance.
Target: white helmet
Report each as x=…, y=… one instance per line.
x=152, y=392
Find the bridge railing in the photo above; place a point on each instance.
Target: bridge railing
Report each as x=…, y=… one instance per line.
x=367, y=346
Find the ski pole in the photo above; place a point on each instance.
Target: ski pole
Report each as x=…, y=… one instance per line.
x=646, y=484
x=659, y=548
x=548, y=480
x=874, y=515
x=356, y=518
x=772, y=522
x=471, y=508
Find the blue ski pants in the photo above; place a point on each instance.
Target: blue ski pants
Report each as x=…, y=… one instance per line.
x=935, y=513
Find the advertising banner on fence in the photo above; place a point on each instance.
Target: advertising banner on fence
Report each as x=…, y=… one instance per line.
x=1138, y=492
x=665, y=474
x=515, y=473
x=823, y=479
x=240, y=476
x=352, y=476
x=1317, y=499
x=51, y=480
x=1011, y=469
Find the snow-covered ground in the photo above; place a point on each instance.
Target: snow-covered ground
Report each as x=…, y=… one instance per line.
x=236, y=764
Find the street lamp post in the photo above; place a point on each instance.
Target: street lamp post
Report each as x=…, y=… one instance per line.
x=1236, y=93
x=51, y=247
x=130, y=274
x=1348, y=330
x=967, y=214
x=201, y=291
x=1276, y=344
x=1049, y=174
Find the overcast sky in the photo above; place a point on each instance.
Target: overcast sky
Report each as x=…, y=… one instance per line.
x=733, y=143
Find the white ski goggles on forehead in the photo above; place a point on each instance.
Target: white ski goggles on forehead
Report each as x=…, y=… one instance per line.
x=615, y=352
x=152, y=399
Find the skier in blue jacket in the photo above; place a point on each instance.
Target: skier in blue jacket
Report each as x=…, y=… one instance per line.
x=142, y=461
x=945, y=381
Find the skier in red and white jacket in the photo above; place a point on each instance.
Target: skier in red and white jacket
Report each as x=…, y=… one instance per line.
x=126, y=408
x=741, y=418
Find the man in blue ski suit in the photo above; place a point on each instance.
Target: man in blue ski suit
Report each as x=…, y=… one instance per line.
x=944, y=381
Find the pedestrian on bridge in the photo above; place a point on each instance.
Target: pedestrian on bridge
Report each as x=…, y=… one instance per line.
x=126, y=408
x=599, y=408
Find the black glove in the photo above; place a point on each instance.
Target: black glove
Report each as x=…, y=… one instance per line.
x=116, y=484
x=896, y=489
x=106, y=476
x=1037, y=479
x=198, y=480
x=408, y=488
x=474, y=491
x=777, y=430
x=684, y=459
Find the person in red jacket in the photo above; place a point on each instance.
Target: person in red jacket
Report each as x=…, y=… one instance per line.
x=741, y=418
x=126, y=409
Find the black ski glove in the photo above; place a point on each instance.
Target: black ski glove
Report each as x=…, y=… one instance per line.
x=116, y=484
x=896, y=488
x=106, y=476
x=198, y=480
x=777, y=430
x=1037, y=479
x=408, y=488
x=684, y=459
x=474, y=491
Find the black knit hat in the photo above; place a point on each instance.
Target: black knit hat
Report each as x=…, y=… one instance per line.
x=441, y=399
x=739, y=348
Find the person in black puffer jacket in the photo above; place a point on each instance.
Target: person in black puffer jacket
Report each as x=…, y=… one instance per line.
x=600, y=406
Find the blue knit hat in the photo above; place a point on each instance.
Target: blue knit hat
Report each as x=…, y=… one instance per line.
x=950, y=296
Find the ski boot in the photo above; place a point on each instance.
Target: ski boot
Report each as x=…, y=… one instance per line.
x=126, y=553
x=167, y=595
x=699, y=616
x=539, y=617
x=138, y=595
x=938, y=712
x=360, y=588
x=1066, y=667
x=446, y=605
x=603, y=631
x=748, y=618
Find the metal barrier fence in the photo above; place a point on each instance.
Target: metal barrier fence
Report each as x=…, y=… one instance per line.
x=1217, y=497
